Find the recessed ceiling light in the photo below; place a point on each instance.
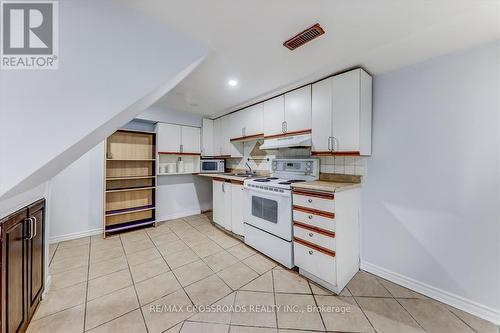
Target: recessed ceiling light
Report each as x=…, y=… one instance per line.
x=232, y=83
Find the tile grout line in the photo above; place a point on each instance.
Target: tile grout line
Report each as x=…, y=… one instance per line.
x=453, y=313
x=364, y=314
x=401, y=305
x=316, y=303
x=86, y=287
x=274, y=297
x=133, y=284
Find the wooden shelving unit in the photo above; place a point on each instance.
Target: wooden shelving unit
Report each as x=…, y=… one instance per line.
x=130, y=181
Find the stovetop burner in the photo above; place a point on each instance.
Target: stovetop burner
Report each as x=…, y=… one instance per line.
x=296, y=180
x=272, y=178
x=285, y=183
x=261, y=180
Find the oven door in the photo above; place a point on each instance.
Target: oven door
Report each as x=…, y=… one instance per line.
x=269, y=211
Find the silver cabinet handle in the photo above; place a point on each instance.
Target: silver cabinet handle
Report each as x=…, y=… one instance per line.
x=334, y=143
x=310, y=217
x=34, y=227
x=223, y=188
x=286, y=127
x=311, y=252
x=310, y=200
x=181, y=148
x=329, y=144
x=311, y=234
x=283, y=127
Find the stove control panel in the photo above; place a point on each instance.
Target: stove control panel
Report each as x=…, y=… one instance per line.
x=296, y=167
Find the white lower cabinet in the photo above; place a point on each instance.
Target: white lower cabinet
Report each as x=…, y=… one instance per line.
x=326, y=240
x=228, y=205
x=237, y=208
x=218, y=202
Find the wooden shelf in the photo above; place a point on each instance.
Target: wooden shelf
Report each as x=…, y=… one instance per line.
x=129, y=200
x=131, y=159
x=130, y=177
x=178, y=173
x=177, y=153
x=131, y=189
x=129, y=210
x=129, y=225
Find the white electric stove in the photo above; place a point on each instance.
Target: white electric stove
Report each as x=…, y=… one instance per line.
x=267, y=211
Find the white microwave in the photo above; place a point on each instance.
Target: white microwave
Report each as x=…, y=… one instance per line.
x=212, y=166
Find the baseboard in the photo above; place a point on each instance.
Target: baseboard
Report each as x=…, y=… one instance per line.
x=75, y=235
x=446, y=297
x=178, y=215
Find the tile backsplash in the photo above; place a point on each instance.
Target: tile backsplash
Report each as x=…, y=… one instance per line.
x=350, y=165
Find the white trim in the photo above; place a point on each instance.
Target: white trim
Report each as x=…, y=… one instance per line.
x=446, y=297
x=75, y=235
x=178, y=215
x=47, y=287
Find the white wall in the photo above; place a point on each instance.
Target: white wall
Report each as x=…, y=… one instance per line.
x=76, y=193
x=76, y=198
x=182, y=195
x=160, y=114
x=113, y=63
x=431, y=201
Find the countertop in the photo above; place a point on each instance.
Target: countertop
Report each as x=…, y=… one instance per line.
x=224, y=176
x=326, y=186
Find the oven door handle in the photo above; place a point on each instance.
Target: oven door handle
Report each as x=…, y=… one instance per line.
x=285, y=193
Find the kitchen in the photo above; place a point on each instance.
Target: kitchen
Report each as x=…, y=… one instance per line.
x=340, y=188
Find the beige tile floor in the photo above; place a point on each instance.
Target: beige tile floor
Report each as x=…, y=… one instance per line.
x=149, y=280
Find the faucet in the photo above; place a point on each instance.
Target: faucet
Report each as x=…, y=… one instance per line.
x=249, y=168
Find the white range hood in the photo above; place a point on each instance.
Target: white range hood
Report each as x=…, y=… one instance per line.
x=302, y=140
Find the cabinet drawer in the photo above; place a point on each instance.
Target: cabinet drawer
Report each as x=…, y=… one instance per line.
x=317, y=201
x=313, y=219
x=315, y=262
x=317, y=237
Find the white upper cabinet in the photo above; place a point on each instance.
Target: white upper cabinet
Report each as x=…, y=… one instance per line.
x=207, y=137
x=178, y=139
x=298, y=109
x=218, y=136
x=274, y=116
x=251, y=120
x=190, y=139
x=232, y=123
x=169, y=138
x=346, y=115
x=345, y=100
x=321, y=105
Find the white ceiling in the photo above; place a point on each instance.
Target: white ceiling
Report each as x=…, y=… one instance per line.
x=247, y=36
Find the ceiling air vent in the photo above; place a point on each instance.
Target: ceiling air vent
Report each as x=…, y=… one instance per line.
x=305, y=36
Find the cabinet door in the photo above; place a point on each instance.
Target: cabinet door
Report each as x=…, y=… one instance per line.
x=218, y=202
x=345, y=106
x=14, y=248
x=218, y=137
x=321, y=115
x=274, y=116
x=236, y=123
x=226, y=190
x=35, y=258
x=237, y=209
x=190, y=139
x=168, y=137
x=252, y=118
x=225, y=144
x=298, y=109
x=207, y=137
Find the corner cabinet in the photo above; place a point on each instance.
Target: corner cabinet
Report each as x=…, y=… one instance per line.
x=342, y=114
x=22, y=266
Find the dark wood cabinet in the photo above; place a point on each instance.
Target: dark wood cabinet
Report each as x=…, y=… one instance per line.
x=22, y=266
